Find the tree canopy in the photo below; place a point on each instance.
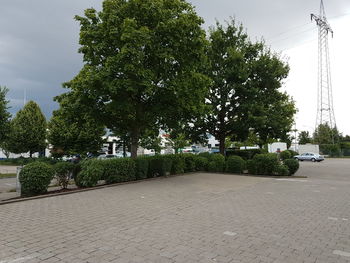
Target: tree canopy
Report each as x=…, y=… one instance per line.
x=28, y=130
x=142, y=61
x=4, y=115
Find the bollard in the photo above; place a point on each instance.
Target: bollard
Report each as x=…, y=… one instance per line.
x=18, y=184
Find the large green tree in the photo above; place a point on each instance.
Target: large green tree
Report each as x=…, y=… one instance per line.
x=324, y=134
x=304, y=137
x=142, y=65
x=72, y=131
x=4, y=115
x=245, y=95
x=28, y=130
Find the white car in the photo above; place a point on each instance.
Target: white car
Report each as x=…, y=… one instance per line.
x=313, y=157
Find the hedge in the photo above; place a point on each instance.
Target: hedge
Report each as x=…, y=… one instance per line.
x=35, y=178
x=245, y=154
x=201, y=163
x=91, y=172
x=178, y=164
x=235, y=164
x=265, y=163
x=285, y=155
x=160, y=165
x=63, y=172
x=141, y=167
x=118, y=170
x=292, y=164
x=216, y=163
x=281, y=170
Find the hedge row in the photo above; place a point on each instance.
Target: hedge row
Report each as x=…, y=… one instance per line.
x=36, y=177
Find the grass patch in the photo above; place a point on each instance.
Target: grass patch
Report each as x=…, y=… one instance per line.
x=7, y=175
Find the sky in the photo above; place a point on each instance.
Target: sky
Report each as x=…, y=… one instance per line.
x=39, y=43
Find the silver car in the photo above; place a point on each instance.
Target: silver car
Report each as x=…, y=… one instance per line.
x=314, y=157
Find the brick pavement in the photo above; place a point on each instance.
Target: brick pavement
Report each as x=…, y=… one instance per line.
x=191, y=218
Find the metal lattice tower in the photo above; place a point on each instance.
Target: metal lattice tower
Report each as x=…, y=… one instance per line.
x=325, y=110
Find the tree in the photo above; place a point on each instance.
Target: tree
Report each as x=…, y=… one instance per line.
x=4, y=115
x=304, y=137
x=324, y=134
x=142, y=65
x=28, y=130
x=245, y=95
x=71, y=131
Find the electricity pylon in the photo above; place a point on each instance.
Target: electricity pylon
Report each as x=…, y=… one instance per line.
x=325, y=110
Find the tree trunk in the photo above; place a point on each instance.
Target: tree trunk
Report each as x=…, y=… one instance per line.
x=124, y=148
x=222, y=144
x=135, y=135
x=30, y=154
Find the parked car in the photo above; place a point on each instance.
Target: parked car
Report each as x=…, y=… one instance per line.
x=314, y=157
x=107, y=156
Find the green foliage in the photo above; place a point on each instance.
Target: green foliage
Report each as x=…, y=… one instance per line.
x=293, y=153
x=141, y=166
x=324, y=134
x=63, y=172
x=190, y=164
x=23, y=161
x=292, y=164
x=178, y=164
x=216, y=163
x=235, y=164
x=35, y=178
x=201, y=163
x=28, y=130
x=304, y=137
x=160, y=165
x=333, y=150
x=285, y=155
x=91, y=172
x=143, y=62
x=245, y=154
x=72, y=131
x=4, y=116
x=266, y=163
x=252, y=167
x=119, y=170
x=281, y=170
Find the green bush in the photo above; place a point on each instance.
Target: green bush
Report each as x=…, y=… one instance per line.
x=245, y=154
x=333, y=150
x=35, y=178
x=281, y=170
x=118, y=170
x=266, y=163
x=201, y=163
x=160, y=165
x=293, y=153
x=292, y=164
x=285, y=155
x=190, y=164
x=63, y=172
x=205, y=155
x=141, y=166
x=91, y=172
x=235, y=164
x=178, y=164
x=252, y=167
x=216, y=163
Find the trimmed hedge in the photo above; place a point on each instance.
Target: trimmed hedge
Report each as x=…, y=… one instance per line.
x=245, y=154
x=35, y=178
x=235, y=164
x=160, y=165
x=119, y=170
x=63, y=172
x=285, y=155
x=141, y=166
x=292, y=164
x=201, y=163
x=281, y=170
x=190, y=164
x=178, y=164
x=252, y=167
x=216, y=163
x=266, y=163
x=91, y=172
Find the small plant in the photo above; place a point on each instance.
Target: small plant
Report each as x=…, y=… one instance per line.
x=235, y=164
x=91, y=172
x=285, y=155
x=63, y=172
x=35, y=178
x=292, y=164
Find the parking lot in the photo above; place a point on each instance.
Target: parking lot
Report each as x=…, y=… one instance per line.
x=199, y=217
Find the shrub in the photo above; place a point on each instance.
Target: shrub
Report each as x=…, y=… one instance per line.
x=201, y=163
x=293, y=153
x=292, y=164
x=245, y=154
x=63, y=172
x=204, y=154
x=141, y=166
x=178, y=164
x=119, y=170
x=281, y=170
x=91, y=172
x=190, y=164
x=235, y=164
x=285, y=155
x=216, y=163
x=35, y=178
x=265, y=163
x=252, y=167
x=160, y=166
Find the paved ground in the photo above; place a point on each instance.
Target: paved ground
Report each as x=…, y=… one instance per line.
x=7, y=169
x=192, y=218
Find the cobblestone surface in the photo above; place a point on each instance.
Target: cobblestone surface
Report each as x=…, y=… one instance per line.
x=191, y=218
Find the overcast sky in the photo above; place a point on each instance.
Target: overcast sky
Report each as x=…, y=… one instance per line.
x=39, y=43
